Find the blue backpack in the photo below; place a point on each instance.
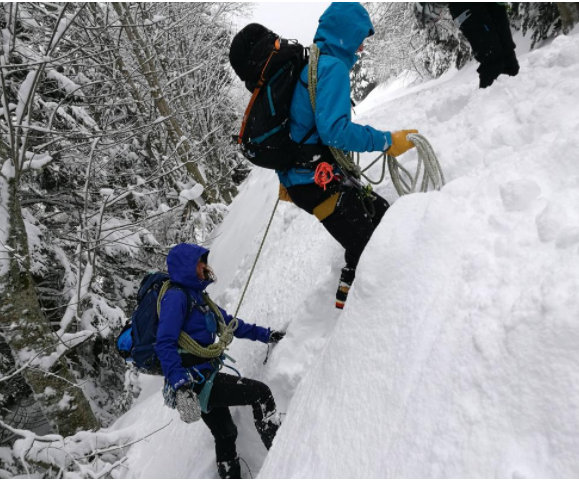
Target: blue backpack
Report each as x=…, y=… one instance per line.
x=136, y=342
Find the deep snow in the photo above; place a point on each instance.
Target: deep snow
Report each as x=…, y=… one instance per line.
x=457, y=354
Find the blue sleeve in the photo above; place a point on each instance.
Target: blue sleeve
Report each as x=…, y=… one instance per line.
x=333, y=113
x=173, y=316
x=248, y=331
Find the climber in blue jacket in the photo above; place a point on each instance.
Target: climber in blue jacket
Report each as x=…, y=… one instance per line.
x=341, y=33
x=189, y=271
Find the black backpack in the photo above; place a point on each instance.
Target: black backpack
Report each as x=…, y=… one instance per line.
x=270, y=67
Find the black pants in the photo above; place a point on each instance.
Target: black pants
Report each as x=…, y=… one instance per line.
x=235, y=391
x=350, y=223
x=489, y=33
x=352, y=226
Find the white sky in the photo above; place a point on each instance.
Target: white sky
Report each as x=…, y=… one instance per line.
x=297, y=20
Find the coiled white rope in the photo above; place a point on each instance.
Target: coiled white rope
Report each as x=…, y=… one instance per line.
x=428, y=165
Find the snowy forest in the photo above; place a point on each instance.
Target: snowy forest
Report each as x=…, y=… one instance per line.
x=116, y=125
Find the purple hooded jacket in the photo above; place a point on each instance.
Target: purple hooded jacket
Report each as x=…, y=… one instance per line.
x=182, y=263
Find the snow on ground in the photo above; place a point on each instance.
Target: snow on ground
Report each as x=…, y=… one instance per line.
x=456, y=355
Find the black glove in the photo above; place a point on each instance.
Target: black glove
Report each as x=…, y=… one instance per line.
x=275, y=337
x=187, y=404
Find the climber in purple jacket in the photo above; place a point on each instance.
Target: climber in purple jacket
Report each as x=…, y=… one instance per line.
x=185, y=309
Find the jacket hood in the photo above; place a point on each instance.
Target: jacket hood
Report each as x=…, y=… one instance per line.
x=343, y=27
x=182, y=265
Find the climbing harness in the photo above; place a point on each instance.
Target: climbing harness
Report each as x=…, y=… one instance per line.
x=169, y=394
x=206, y=391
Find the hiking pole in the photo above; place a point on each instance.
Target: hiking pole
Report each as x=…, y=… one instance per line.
x=256, y=258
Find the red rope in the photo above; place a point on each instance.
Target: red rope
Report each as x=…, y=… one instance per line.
x=324, y=174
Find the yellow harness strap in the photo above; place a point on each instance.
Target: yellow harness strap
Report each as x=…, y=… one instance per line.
x=327, y=207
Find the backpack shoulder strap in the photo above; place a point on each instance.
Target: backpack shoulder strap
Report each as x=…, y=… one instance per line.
x=164, y=288
x=309, y=134
x=313, y=74
x=191, y=303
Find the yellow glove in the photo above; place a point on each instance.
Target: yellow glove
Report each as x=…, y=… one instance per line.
x=400, y=143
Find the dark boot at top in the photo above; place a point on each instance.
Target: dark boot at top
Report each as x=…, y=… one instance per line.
x=267, y=429
x=511, y=65
x=489, y=70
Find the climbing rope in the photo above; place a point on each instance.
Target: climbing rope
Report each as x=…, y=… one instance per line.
x=323, y=175
x=404, y=182
x=256, y=257
x=225, y=332
x=427, y=160
x=340, y=157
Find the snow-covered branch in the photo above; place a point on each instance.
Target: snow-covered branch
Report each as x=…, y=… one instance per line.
x=83, y=455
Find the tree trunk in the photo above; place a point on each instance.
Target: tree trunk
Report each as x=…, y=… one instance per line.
x=144, y=59
x=569, y=12
x=27, y=330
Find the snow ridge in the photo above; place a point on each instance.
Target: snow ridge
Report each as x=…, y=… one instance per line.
x=456, y=354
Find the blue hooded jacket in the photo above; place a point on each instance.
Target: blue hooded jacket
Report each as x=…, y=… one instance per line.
x=182, y=263
x=343, y=27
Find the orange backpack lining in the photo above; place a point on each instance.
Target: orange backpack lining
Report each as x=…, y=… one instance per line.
x=256, y=92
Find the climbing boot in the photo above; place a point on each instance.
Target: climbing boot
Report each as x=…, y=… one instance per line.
x=267, y=428
x=511, y=65
x=489, y=70
x=229, y=469
x=346, y=279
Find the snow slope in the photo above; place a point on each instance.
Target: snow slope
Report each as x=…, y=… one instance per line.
x=457, y=354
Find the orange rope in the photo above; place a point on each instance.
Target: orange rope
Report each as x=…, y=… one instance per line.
x=324, y=174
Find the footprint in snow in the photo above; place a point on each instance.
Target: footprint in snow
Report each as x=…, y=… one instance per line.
x=550, y=221
x=519, y=195
x=568, y=237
